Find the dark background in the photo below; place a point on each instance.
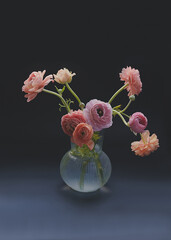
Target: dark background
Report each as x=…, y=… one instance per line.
x=95, y=41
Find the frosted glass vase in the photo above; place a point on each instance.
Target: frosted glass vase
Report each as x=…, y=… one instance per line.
x=84, y=170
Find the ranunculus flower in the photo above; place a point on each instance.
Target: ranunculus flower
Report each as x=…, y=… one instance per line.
x=63, y=76
x=138, y=122
x=131, y=76
x=83, y=135
x=71, y=120
x=98, y=114
x=146, y=145
x=35, y=84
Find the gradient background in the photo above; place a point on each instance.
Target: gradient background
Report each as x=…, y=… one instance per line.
x=96, y=41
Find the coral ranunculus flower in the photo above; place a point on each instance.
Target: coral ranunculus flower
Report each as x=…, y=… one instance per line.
x=132, y=77
x=83, y=135
x=138, y=122
x=98, y=114
x=35, y=84
x=63, y=76
x=71, y=120
x=146, y=145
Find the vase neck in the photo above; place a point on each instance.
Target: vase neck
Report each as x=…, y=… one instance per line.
x=99, y=143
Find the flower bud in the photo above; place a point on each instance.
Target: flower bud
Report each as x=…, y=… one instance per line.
x=132, y=98
x=81, y=105
x=60, y=91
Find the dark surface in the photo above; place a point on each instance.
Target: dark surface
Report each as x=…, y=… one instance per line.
x=95, y=41
x=135, y=204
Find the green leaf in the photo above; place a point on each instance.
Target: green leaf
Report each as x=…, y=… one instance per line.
x=83, y=151
x=117, y=107
x=96, y=137
x=56, y=88
x=63, y=89
x=69, y=102
x=61, y=106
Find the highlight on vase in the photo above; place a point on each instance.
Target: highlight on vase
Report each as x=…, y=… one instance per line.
x=85, y=124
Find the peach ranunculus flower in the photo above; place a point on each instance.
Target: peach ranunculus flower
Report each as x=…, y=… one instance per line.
x=146, y=145
x=63, y=76
x=83, y=135
x=132, y=77
x=35, y=84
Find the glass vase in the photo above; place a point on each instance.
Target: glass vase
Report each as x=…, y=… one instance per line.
x=86, y=170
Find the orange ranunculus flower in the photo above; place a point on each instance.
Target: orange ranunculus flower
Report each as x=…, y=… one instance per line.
x=71, y=120
x=146, y=145
x=83, y=135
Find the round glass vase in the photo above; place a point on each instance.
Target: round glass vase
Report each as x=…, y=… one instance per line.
x=86, y=170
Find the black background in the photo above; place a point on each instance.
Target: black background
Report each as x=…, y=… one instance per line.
x=95, y=41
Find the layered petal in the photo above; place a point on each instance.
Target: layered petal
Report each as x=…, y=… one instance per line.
x=146, y=145
x=71, y=120
x=35, y=84
x=83, y=135
x=98, y=114
x=63, y=76
x=132, y=77
x=138, y=122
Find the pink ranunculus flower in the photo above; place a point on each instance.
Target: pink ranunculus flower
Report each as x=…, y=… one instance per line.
x=83, y=135
x=138, y=122
x=63, y=76
x=35, y=84
x=71, y=120
x=98, y=114
x=132, y=77
x=146, y=145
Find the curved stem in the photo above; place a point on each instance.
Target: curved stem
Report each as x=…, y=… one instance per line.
x=74, y=94
x=120, y=115
x=116, y=93
x=126, y=115
x=58, y=95
x=126, y=106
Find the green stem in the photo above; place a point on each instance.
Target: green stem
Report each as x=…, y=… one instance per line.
x=83, y=171
x=58, y=95
x=99, y=170
x=125, y=115
x=75, y=95
x=116, y=93
x=126, y=106
x=120, y=115
x=142, y=138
